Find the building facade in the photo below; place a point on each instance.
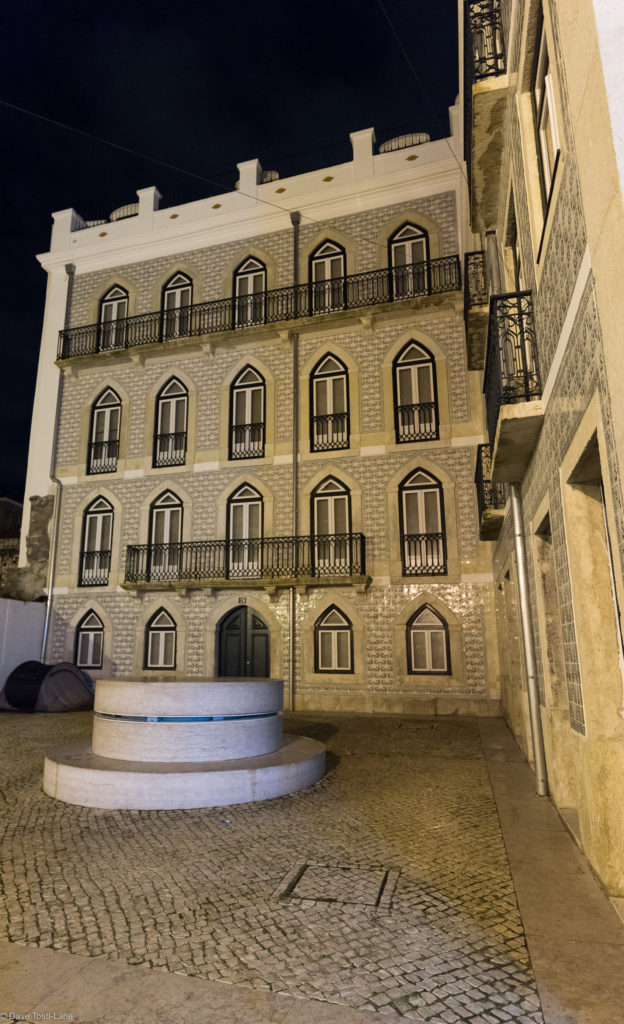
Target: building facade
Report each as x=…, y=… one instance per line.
x=266, y=432
x=543, y=130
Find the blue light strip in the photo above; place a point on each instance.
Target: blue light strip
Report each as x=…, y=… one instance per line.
x=204, y=718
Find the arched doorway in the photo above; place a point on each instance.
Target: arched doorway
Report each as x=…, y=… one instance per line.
x=243, y=639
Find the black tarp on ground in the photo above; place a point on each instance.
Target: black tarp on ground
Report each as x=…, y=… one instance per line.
x=33, y=686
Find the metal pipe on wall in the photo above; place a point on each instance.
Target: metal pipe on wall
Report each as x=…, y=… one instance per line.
x=295, y=219
x=539, y=753
x=70, y=269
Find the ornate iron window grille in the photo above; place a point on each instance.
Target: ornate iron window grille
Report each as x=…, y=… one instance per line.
x=330, y=432
x=169, y=449
x=511, y=369
x=489, y=496
x=247, y=441
x=424, y=554
x=418, y=422
x=94, y=568
x=102, y=457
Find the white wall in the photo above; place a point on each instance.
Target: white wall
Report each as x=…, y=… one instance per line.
x=21, y=634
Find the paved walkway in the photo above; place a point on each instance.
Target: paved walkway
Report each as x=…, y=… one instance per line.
x=407, y=883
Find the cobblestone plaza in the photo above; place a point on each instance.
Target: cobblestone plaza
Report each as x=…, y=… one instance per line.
x=385, y=887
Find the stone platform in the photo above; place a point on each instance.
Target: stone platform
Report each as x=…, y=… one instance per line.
x=162, y=746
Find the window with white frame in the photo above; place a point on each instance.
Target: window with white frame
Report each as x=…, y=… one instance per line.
x=113, y=318
x=423, y=543
x=245, y=527
x=333, y=642
x=97, y=537
x=247, y=415
x=327, y=272
x=329, y=405
x=176, y=302
x=416, y=406
x=105, y=425
x=545, y=116
x=89, y=641
x=160, y=641
x=427, y=643
x=165, y=544
x=331, y=515
x=249, y=292
x=170, y=435
x=409, y=252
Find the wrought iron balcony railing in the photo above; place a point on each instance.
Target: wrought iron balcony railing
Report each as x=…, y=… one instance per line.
x=511, y=367
x=484, y=44
x=475, y=284
x=424, y=554
x=102, y=457
x=430, y=277
x=263, y=559
x=247, y=441
x=490, y=497
x=417, y=422
x=169, y=449
x=94, y=568
x=330, y=432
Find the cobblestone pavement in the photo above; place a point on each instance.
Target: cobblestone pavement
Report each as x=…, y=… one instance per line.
x=384, y=887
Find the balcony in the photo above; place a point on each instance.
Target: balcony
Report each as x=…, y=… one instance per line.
x=94, y=568
x=102, y=457
x=169, y=449
x=330, y=432
x=475, y=308
x=424, y=554
x=490, y=497
x=431, y=277
x=512, y=386
x=417, y=422
x=485, y=105
x=266, y=561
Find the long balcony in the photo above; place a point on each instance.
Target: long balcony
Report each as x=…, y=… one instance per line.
x=491, y=497
x=512, y=386
x=266, y=561
x=475, y=308
x=431, y=277
x=485, y=104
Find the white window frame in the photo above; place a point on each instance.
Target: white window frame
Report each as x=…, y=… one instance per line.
x=98, y=521
x=250, y=285
x=332, y=550
x=415, y=421
x=427, y=629
x=545, y=114
x=91, y=633
x=332, y=630
x=102, y=413
x=159, y=634
x=245, y=550
x=330, y=435
x=247, y=440
x=415, y=553
x=113, y=309
x=410, y=276
x=328, y=291
x=167, y=558
x=177, y=299
x=171, y=406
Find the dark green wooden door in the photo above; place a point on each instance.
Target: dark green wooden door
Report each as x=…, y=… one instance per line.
x=243, y=644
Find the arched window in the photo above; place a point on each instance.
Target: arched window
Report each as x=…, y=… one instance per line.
x=247, y=430
x=329, y=405
x=331, y=528
x=327, y=273
x=333, y=647
x=427, y=643
x=245, y=527
x=415, y=395
x=113, y=318
x=177, y=297
x=421, y=510
x=160, y=641
x=165, y=540
x=170, y=434
x=89, y=641
x=409, y=253
x=104, y=437
x=249, y=288
x=97, y=537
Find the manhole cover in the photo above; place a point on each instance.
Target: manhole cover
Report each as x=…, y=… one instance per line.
x=338, y=883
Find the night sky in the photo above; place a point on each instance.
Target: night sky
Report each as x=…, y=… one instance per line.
x=197, y=85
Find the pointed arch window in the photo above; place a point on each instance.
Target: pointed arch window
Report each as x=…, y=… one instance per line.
x=421, y=509
x=428, y=643
x=176, y=306
x=160, y=641
x=245, y=528
x=329, y=404
x=331, y=519
x=250, y=282
x=247, y=415
x=415, y=395
x=97, y=537
x=170, y=435
x=327, y=278
x=89, y=641
x=409, y=253
x=113, y=318
x=104, y=437
x=333, y=646
x=165, y=543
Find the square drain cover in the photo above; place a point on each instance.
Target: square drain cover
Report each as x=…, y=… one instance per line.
x=337, y=883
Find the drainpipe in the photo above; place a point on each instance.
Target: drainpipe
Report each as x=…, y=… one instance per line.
x=529, y=647
x=295, y=219
x=70, y=270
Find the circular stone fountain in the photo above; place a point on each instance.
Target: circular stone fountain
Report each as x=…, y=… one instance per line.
x=160, y=746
